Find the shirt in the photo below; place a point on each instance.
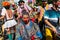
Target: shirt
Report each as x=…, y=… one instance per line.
x=52, y=16
x=4, y=13
x=26, y=7
x=30, y=29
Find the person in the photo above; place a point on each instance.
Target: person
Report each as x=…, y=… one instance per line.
x=9, y=21
x=51, y=20
x=22, y=6
x=27, y=29
x=39, y=20
x=58, y=5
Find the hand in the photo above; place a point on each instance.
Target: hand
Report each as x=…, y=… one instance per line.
x=54, y=30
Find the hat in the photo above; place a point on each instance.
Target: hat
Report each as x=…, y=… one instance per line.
x=5, y=3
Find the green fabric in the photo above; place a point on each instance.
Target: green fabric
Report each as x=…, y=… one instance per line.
x=10, y=36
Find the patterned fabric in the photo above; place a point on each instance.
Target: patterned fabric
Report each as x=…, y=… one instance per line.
x=26, y=32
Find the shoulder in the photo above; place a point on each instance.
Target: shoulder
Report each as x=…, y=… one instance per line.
x=35, y=24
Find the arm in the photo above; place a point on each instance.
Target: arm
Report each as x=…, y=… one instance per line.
x=41, y=14
x=52, y=27
x=2, y=17
x=46, y=17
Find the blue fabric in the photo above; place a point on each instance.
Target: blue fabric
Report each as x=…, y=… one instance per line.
x=20, y=38
x=38, y=33
x=59, y=14
x=51, y=14
x=30, y=26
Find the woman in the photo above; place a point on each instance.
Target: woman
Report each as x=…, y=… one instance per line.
x=10, y=23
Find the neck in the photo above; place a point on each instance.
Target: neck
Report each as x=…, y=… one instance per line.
x=28, y=23
x=7, y=9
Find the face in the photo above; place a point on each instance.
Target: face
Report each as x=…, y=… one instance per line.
x=55, y=4
x=44, y=3
x=22, y=3
x=25, y=18
x=58, y=3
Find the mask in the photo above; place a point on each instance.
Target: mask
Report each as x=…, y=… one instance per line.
x=21, y=6
x=26, y=21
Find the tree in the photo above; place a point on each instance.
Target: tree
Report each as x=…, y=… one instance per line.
x=39, y=1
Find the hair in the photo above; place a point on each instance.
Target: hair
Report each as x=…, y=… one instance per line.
x=7, y=7
x=23, y=1
x=20, y=2
x=55, y=1
x=25, y=13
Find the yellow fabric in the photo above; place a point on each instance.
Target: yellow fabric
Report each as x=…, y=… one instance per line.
x=47, y=6
x=1, y=38
x=41, y=14
x=48, y=34
x=3, y=27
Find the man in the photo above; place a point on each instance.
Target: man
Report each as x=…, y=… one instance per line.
x=51, y=20
x=22, y=6
x=28, y=30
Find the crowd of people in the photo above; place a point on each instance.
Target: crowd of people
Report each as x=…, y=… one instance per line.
x=24, y=22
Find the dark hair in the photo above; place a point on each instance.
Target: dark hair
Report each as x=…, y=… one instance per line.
x=50, y=2
x=43, y=0
x=25, y=13
x=23, y=1
x=7, y=7
x=55, y=1
x=20, y=2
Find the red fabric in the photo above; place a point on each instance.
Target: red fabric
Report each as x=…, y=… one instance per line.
x=32, y=38
x=33, y=19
